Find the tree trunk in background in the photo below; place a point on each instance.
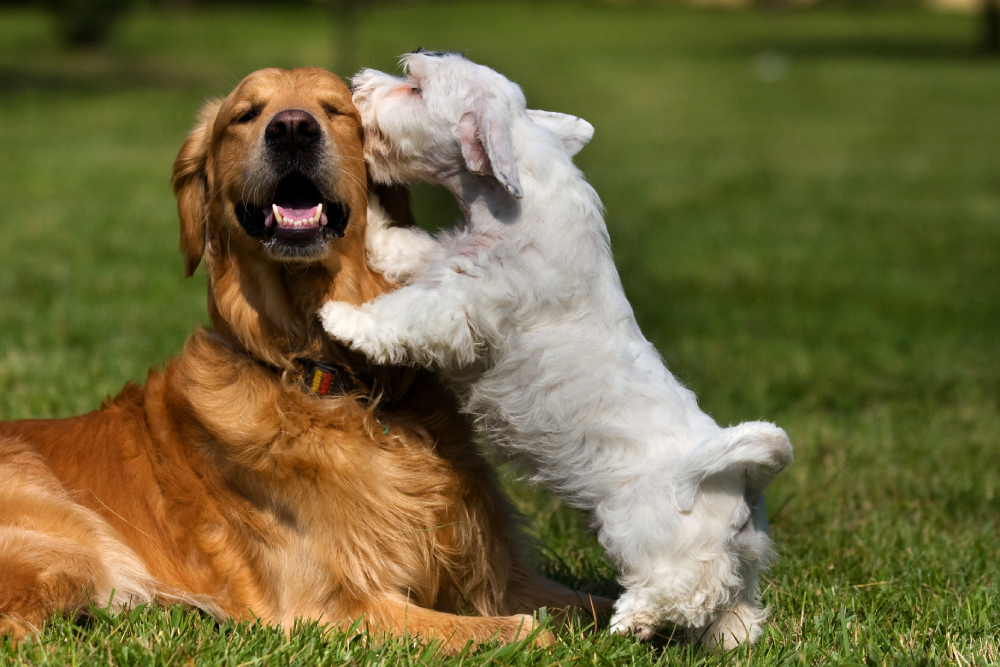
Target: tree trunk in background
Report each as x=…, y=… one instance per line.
x=346, y=14
x=991, y=26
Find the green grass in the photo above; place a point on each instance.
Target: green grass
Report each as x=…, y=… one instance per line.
x=822, y=250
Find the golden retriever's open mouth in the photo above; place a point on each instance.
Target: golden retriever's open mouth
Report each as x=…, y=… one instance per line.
x=298, y=220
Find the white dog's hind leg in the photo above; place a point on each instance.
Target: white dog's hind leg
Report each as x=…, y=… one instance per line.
x=740, y=625
x=398, y=253
x=426, y=326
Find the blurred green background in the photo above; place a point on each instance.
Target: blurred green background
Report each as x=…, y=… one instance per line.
x=804, y=204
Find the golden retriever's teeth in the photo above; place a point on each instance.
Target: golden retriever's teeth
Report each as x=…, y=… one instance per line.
x=280, y=219
x=317, y=215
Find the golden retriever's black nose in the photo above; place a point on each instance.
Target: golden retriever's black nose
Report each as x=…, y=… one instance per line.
x=292, y=129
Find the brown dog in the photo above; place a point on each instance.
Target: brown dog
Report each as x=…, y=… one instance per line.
x=229, y=480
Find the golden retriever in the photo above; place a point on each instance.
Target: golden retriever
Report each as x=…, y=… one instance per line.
x=229, y=480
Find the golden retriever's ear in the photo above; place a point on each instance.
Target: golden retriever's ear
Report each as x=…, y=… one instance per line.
x=190, y=182
x=395, y=199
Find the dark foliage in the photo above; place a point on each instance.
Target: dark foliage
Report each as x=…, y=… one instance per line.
x=87, y=23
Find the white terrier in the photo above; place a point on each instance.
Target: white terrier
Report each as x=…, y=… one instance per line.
x=522, y=310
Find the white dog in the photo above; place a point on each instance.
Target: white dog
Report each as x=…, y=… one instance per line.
x=523, y=312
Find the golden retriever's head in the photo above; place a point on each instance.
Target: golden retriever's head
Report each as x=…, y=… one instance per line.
x=280, y=162
x=272, y=192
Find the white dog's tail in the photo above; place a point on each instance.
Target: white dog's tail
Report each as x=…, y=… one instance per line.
x=757, y=450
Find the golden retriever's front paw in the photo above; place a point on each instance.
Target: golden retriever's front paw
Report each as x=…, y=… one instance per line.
x=16, y=630
x=520, y=627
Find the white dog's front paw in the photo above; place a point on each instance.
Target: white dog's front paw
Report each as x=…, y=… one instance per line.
x=358, y=330
x=341, y=321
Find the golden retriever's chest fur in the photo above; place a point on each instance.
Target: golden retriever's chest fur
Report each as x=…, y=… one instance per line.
x=333, y=501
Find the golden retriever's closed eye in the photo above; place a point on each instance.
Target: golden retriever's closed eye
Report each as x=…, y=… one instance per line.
x=265, y=470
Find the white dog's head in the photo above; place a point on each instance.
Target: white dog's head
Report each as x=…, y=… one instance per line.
x=448, y=114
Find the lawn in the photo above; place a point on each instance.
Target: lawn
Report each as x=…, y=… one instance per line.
x=805, y=210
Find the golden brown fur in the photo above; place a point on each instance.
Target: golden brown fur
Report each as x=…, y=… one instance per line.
x=222, y=484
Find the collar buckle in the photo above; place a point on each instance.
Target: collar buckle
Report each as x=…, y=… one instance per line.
x=326, y=380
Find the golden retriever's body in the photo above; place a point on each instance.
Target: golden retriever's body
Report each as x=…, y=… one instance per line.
x=221, y=482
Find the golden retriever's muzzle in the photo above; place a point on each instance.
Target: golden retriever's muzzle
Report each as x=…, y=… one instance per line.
x=299, y=217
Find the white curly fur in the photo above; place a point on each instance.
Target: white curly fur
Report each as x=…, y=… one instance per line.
x=522, y=310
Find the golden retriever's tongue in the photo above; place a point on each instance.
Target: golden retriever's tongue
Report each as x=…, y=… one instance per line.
x=297, y=222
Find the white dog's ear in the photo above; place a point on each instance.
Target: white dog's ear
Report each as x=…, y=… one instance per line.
x=575, y=132
x=488, y=149
x=756, y=450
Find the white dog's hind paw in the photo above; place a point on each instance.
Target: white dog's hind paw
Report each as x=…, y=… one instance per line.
x=740, y=625
x=639, y=631
x=633, y=623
